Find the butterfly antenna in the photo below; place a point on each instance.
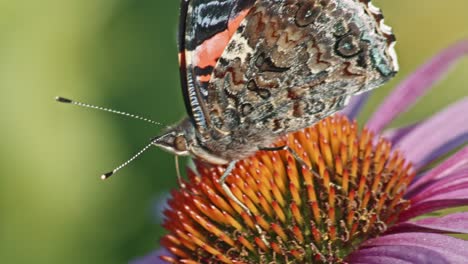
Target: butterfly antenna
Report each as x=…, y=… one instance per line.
x=110, y=173
x=69, y=101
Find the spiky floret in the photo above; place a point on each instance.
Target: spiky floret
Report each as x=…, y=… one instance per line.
x=348, y=189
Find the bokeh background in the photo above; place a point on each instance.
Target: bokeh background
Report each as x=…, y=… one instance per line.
x=122, y=54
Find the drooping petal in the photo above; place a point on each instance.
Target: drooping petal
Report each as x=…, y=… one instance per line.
x=407, y=93
x=355, y=105
x=152, y=258
x=453, y=198
x=452, y=182
x=455, y=162
x=431, y=139
x=415, y=248
x=397, y=255
x=394, y=135
x=453, y=223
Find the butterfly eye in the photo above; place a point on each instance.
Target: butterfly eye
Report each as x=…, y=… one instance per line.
x=180, y=144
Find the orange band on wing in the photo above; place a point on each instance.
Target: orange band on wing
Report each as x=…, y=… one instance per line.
x=209, y=51
x=204, y=78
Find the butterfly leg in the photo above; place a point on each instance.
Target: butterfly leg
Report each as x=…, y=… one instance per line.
x=228, y=171
x=222, y=181
x=225, y=187
x=294, y=154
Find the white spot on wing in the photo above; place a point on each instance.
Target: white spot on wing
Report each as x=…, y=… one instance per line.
x=385, y=29
x=392, y=52
x=388, y=31
x=373, y=8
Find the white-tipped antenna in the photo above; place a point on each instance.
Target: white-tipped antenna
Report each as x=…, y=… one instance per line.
x=110, y=173
x=69, y=101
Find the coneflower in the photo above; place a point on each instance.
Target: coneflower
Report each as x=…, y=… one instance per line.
x=347, y=191
x=350, y=198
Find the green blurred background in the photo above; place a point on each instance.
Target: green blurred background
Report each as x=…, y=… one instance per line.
x=122, y=54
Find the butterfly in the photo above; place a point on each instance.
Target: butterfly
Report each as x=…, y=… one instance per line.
x=252, y=71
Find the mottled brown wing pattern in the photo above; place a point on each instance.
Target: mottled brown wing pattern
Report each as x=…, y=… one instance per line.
x=292, y=63
x=206, y=26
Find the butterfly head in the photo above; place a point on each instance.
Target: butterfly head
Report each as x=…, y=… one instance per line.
x=184, y=140
x=177, y=139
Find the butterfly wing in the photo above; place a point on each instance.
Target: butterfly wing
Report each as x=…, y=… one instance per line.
x=206, y=26
x=291, y=63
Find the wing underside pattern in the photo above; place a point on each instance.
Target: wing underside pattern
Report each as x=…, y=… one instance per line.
x=206, y=27
x=292, y=63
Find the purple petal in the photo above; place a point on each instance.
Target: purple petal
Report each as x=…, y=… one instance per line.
x=355, y=105
x=441, y=133
x=453, y=223
x=452, y=182
x=450, y=199
x=397, y=255
x=456, y=162
x=394, y=135
x=413, y=247
x=160, y=204
x=152, y=258
x=416, y=85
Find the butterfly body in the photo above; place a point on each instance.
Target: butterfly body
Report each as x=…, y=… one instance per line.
x=253, y=71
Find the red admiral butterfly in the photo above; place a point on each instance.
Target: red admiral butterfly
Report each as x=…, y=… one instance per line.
x=253, y=71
